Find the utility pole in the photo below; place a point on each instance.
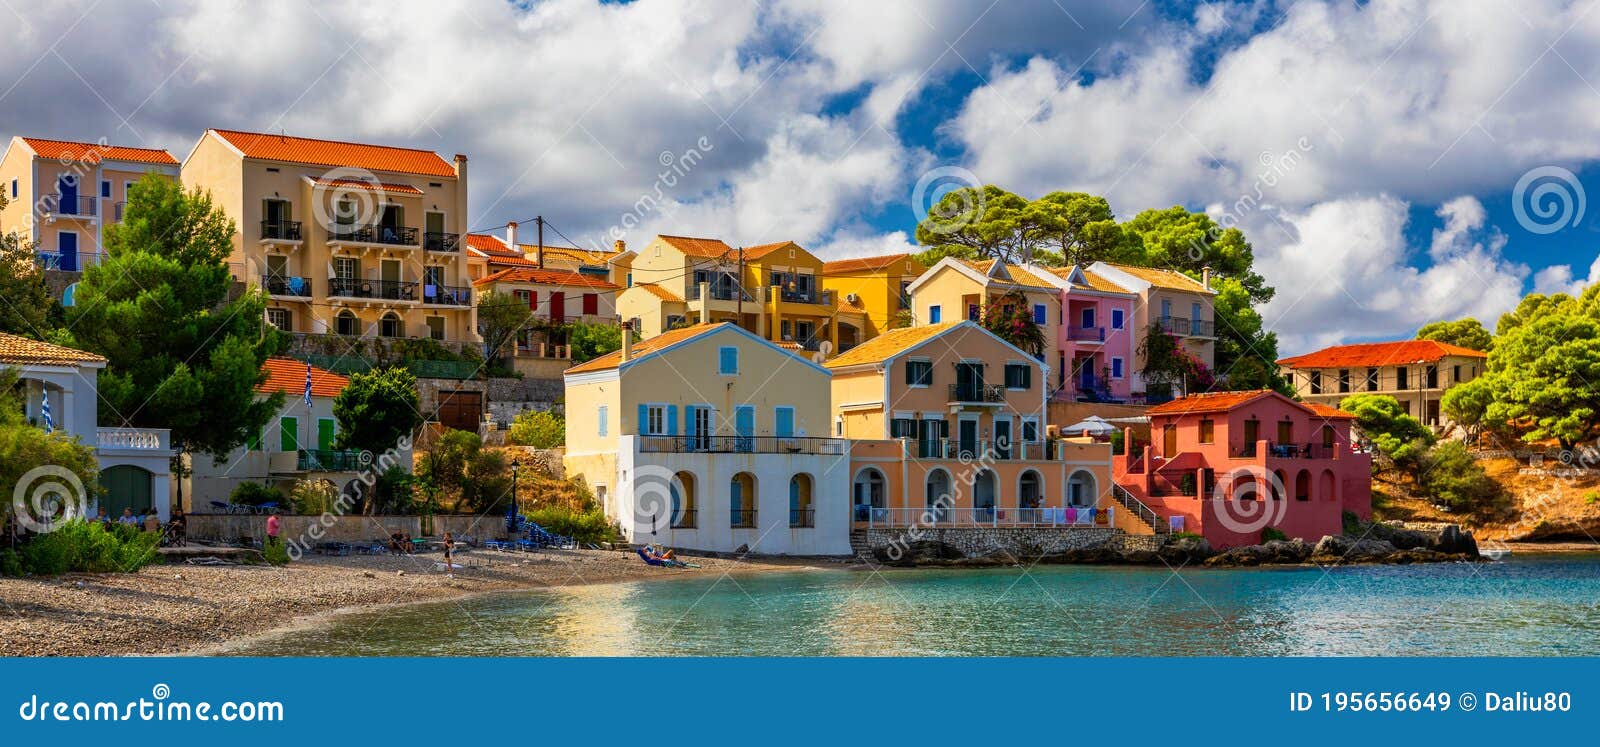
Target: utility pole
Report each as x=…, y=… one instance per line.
x=740, y=301
x=539, y=221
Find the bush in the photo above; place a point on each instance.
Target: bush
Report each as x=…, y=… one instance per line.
x=1452, y=478
x=1271, y=534
x=276, y=551
x=254, y=494
x=486, y=483
x=85, y=547
x=584, y=526
x=1352, y=523
x=394, y=492
x=1592, y=497
x=313, y=497
x=541, y=430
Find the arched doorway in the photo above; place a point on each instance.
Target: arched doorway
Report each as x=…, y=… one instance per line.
x=1081, y=489
x=126, y=486
x=867, y=494
x=1328, y=489
x=939, y=498
x=800, y=514
x=742, y=500
x=389, y=325
x=1302, y=485
x=1030, y=496
x=1278, y=484
x=983, y=496
x=682, y=490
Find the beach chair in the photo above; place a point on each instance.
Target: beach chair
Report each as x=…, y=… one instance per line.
x=648, y=559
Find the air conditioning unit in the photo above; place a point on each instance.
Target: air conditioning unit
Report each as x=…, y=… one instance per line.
x=852, y=298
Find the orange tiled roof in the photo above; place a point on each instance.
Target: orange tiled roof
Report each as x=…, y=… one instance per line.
x=868, y=264
x=495, y=249
x=645, y=347
x=882, y=347
x=584, y=256
x=66, y=150
x=697, y=247
x=1091, y=280
x=1207, y=402
x=335, y=153
x=15, y=349
x=762, y=250
x=660, y=292
x=288, y=375
x=1019, y=275
x=1327, y=411
x=402, y=189
x=1169, y=279
x=545, y=277
x=1374, y=354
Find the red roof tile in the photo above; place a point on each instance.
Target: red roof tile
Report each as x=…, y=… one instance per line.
x=762, y=250
x=1328, y=411
x=697, y=247
x=288, y=375
x=1379, y=354
x=66, y=150
x=864, y=264
x=15, y=349
x=1208, y=402
x=546, y=277
x=335, y=153
x=402, y=189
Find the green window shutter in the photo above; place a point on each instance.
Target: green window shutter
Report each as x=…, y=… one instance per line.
x=326, y=428
x=288, y=434
x=254, y=442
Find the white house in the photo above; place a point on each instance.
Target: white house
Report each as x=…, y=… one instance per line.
x=135, y=463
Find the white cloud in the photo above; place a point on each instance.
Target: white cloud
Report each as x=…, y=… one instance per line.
x=1559, y=279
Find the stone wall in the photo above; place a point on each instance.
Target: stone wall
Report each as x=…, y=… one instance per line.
x=510, y=396
x=428, y=392
x=236, y=527
x=977, y=542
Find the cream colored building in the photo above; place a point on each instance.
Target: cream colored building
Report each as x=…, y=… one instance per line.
x=61, y=195
x=346, y=238
x=711, y=438
x=1417, y=373
x=958, y=289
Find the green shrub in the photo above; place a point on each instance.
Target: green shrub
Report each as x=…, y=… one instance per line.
x=1271, y=534
x=275, y=551
x=1592, y=497
x=86, y=547
x=10, y=563
x=541, y=430
x=1352, y=523
x=1186, y=535
x=1451, y=477
x=313, y=497
x=394, y=492
x=254, y=494
x=584, y=526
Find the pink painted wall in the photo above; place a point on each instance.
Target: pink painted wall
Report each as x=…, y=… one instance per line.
x=1100, y=342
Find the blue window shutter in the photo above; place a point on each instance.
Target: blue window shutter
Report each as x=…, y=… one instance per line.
x=643, y=426
x=729, y=361
x=784, y=418
x=672, y=420
x=1038, y=313
x=603, y=413
x=933, y=314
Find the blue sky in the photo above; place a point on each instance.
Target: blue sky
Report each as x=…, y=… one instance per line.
x=1396, y=131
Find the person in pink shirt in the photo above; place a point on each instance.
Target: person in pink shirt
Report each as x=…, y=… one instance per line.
x=274, y=527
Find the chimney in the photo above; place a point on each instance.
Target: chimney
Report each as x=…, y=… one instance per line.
x=620, y=246
x=511, y=237
x=627, y=341
x=1205, y=276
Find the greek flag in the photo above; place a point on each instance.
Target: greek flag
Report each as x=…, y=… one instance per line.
x=308, y=385
x=44, y=410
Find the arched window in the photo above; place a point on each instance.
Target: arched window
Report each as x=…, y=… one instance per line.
x=1030, y=496
x=1302, y=486
x=390, y=325
x=800, y=513
x=1081, y=489
x=983, y=496
x=1328, y=489
x=939, y=499
x=867, y=493
x=345, y=323
x=742, y=500
x=683, y=512
x=1278, y=485
x=68, y=295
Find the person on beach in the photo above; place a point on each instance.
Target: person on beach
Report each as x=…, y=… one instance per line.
x=274, y=526
x=152, y=521
x=449, y=552
x=127, y=518
x=176, y=528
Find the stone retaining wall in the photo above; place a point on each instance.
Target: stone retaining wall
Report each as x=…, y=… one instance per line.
x=977, y=542
x=237, y=527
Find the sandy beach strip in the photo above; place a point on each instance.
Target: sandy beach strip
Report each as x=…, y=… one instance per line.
x=172, y=609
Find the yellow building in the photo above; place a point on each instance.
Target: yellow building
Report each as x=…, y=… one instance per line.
x=709, y=437
x=1171, y=300
x=487, y=253
x=61, y=195
x=773, y=290
x=879, y=286
x=957, y=289
x=345, y=238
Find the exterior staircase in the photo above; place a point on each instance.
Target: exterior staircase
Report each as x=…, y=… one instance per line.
x=858, y=544
x=1137, y=508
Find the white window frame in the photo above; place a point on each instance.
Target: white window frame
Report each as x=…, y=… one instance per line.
x=602, y=417
x=928, y=361
x=1022, y=433
x=282, y=312
x=655, y=419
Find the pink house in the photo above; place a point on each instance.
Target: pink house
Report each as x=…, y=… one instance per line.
x=1228, y=465
x=1095, y=339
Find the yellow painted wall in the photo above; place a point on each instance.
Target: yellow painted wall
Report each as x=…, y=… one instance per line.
x=879, y=291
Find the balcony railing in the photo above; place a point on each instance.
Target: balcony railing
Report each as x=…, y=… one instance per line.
x=1187, y=327
x=951, y=448
x=390, y=235
x=716, y=293
x=66, y=262
x=1087, y=334
x=118, y=208
x=447, y=295
x=280, y=230
x=739, y=445
x=153, y=439
x=985, y=516
x=544, y=350
x=280, y=285
x=683, y=519
x=327, y=460
x=392, y=290
x=977, y=393
x=58, y=205
x=742, y=518
x=1279, y=450
x=802, y=518
x=434, y=241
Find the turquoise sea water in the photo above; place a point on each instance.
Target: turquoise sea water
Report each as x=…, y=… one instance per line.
x=1525, y=606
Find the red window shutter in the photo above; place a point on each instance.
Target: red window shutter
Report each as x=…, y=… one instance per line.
x=558, y=302
x=591, y=304
x=533, y=300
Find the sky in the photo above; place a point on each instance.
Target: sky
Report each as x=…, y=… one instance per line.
x=1391, y=162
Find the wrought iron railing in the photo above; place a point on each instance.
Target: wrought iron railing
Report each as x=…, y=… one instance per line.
x=280, y=285
x=1178, y=325
x=741, y=518
x=329, y=460
x=740, y=445
x=1087, y=334
x=280, y=230
x=394, y=290
x=802, y=518
x=435, y=241
x=391, y=235
x=447, y=295
x=977, y=393
x=85, y=206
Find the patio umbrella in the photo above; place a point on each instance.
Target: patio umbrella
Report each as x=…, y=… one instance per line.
x=1094, y=425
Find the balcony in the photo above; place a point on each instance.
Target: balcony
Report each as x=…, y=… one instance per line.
x=977, y=394
x=1278, y=450
x=280, y=230
x=66, y=262
x=328, y=460
x=1187, y=327
x=134, y=439
x=1086, y=334
x=742, y=518
x=802, y=518
x=388, y=290
x=447, y=295
x=739, y=445
x=544, y=350
x=384, y=235
x=441, y=242
x=722, y=293
x=83, y=207
x=279, y=285
x=948, y=448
